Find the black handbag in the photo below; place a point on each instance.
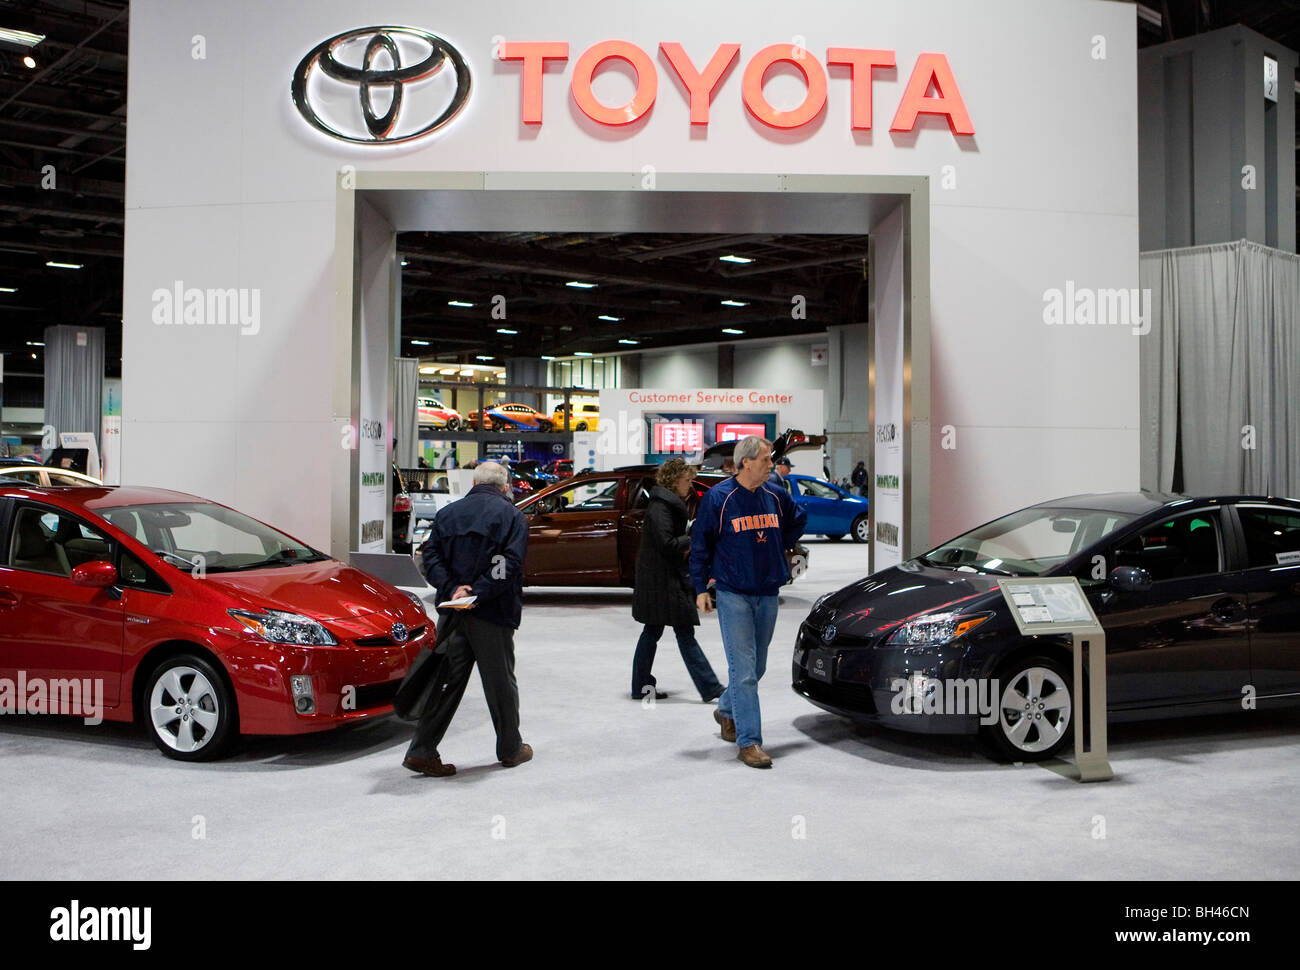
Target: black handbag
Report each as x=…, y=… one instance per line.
x=424, y=681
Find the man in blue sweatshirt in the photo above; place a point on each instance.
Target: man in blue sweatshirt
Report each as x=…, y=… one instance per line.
x=742, y=529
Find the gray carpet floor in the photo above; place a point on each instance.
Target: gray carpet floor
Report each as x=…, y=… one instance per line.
x=622, y=790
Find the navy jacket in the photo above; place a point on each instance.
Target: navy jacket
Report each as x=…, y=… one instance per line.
x=480, y=541
x=740, y=538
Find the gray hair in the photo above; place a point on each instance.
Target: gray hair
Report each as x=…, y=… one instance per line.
x=491, y=473
x=748, y=449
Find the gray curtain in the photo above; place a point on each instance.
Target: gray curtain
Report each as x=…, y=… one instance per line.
x=74, y=378
x=1221, y=370
x=406, y=386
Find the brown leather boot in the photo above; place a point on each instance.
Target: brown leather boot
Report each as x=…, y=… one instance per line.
x=433, y=767
x=755, y=757
x=525, y=753
x=728, y=726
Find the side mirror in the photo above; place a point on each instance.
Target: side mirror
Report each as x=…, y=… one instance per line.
x=1130, y=579
x=95, y=575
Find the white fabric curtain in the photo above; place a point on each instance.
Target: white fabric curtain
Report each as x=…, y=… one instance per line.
x=406, y=387
x=1221, y=370
x=74, y=378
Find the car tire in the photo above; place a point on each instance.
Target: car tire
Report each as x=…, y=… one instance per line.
x=861, y=529
x=453, y=424
x=1021, y=687
x=192, y=685
x=582, y=426
x=835, y=538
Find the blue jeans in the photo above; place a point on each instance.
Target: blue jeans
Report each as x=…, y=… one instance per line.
x=747, y=623
x=697, y=665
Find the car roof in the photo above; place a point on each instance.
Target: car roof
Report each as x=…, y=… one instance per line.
x=1139, y=503
x=95, y=497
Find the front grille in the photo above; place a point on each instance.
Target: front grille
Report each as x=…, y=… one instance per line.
x=387, y=641
x=377, y=695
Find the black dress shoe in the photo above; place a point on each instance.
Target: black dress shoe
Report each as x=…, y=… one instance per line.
x=659, y=695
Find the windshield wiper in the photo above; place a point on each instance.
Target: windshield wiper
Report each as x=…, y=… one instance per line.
x=937, y=565
x=995, y=571
x=177, y=559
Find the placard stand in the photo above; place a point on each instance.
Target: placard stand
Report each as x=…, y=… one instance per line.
x=1057, y=605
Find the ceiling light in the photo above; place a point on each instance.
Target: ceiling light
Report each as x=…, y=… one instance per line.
x=419, y=343
x=581, y=353
x=460, y=303
x=506, y=331
x=581, y=286
x=732, y=330
x=629, y=341
x=404, y=263
x=8, y=289
x=57, y=265
x=468, y=372
x=734, y=303
x=735, y=259
x=35, y=343
x=605, y=316
x=483, y=357
x=22, y=38
x=547, y=357
x=447, y=371
x=29, y=61
x=33, y=356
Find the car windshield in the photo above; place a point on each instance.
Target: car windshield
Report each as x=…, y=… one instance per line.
x=1030, y=542
x=209, y=537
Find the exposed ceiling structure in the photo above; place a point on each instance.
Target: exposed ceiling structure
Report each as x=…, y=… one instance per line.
x=68, y=111
x=608, y=292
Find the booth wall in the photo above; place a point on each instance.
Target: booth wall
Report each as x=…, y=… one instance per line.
x=227, y=187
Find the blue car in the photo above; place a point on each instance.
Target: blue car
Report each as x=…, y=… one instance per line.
x=832, y=511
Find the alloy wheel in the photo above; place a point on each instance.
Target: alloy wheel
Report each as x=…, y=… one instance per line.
x=1034, y=711
x=185, y=709
x=862, y=529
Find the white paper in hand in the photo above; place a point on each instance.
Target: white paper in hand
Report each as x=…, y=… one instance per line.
x=465, y=602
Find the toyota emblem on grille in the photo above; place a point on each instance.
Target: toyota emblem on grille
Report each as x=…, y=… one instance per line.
x=322, y=92
x=828, y=634
x=400, y=633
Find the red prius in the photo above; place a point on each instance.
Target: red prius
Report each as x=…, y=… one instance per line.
x=200, y=622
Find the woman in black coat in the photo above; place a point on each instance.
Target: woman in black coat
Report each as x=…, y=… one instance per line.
x=663, y=595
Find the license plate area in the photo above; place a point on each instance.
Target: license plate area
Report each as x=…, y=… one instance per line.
x=821, y=665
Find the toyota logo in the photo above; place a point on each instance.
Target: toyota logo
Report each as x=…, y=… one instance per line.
x=400, y=632
x=344, y=63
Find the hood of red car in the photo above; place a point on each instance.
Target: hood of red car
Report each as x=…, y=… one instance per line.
x=327, y=590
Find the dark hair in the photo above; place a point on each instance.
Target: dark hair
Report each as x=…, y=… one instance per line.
x=671, y=470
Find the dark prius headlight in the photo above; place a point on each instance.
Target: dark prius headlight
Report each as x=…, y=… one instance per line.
x=933, y=629
x=276, y=626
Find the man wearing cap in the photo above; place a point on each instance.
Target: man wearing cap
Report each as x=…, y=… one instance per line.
x=742, y=529
x=779, y=473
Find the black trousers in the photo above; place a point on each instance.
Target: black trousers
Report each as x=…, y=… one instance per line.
x=493, y=648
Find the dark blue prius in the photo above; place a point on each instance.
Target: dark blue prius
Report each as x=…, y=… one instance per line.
x=1199, y=598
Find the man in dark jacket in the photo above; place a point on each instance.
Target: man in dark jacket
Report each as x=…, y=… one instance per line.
x=742, y=530
x=476, y=548
x=662, y=594
x=859, y=478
